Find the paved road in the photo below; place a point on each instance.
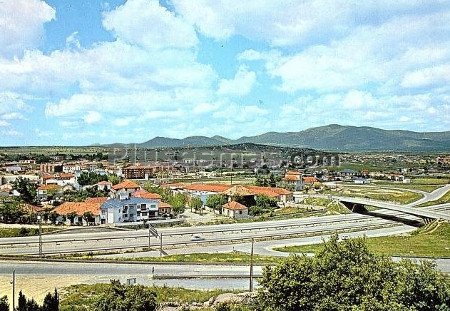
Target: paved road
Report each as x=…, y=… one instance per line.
x=181, y=237
x=188, y=276
x=422, y=212
x=435, y=195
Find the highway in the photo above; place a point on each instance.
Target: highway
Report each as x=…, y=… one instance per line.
x=188, y=276
x=181, y=236
x=421, y=212
x=435, y=195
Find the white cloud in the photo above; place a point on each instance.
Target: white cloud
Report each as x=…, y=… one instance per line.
x=21, y=24
x=148, y=24
x=368, y=55
x=13, y=116
x=357, y=99
x=290, y=22
x=240, y=85
x=72, y=41
x=427, y=76
x=92, y=117
x=4, y=123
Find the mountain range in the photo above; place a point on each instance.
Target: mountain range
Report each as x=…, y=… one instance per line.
x=332, y=137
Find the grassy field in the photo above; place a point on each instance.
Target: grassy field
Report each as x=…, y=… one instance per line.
x=411, y=186
x=430, y=241
x=444, y=199
x=210, y=258
x=18, y=232
x=430, y=181
x=83, y=297
x=332, y=207
x=377, y=193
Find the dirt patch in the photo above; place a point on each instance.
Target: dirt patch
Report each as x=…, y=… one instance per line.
x=36, y=286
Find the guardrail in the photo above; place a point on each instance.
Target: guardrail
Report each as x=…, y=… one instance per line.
x=231, y=240
x=196, y=232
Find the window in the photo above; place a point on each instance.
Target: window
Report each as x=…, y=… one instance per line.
x=143, y=207
x=153, y=206
x=144, y=214
x=240, y=212
x=138, y=214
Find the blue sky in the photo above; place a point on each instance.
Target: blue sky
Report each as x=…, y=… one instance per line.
x=104, y=71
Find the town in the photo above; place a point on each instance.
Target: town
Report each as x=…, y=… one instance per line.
x=224, y=155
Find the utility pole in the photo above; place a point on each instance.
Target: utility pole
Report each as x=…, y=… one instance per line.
x=149, y=235
x=39, y=218
x=161, y=244
x=251, y=266
x=13, y=282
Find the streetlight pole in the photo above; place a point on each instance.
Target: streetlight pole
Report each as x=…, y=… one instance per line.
x=251, y=266
x=149, y=235
x=161, y=245
x=14, y=289
x=39, y=218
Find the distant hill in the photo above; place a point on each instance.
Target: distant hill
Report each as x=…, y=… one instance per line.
x=332, y=137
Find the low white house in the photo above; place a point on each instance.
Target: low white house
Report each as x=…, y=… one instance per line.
x=235, y=210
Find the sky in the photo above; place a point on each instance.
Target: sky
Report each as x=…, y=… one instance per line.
x=104, y=71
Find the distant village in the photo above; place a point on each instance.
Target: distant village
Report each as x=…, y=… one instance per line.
x=95, y=191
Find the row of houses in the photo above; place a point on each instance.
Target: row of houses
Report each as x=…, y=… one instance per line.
x=128, y=203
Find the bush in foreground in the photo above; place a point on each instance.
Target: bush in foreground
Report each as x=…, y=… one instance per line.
x=346, y=276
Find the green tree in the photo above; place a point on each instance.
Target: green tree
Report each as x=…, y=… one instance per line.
x=163, y=192
x=346, y=276
x=195, y=203
x=71, y=216
x=11, y=211
x=119, y=297
x=51, y=302
x=216, y=201
x=272, y=182
x=26, y=189
x=178, y=202
x=88, y=217
x=114, y=179
x=259, y=181
x=265, y=202
x=22, y=302
x=91, y=178
x=4, y=305
x=53, y=216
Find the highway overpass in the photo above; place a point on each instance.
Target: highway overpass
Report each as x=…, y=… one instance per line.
x=352, y=202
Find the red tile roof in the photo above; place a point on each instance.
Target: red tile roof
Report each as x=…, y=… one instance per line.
x=48, y=187
x=79, y=208
x=233, y=205
x=164, y=205
x=104, y=183
x=126, y=184
x=239, y=190
x=269, y=191
x=146, y=195
x=208, y=187
x=29, y=208
x=97, y=200
x=310, y=179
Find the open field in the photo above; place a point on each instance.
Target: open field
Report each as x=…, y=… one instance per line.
x=411, y=186
x=430, y=241
x=210, y=258
x=378, y=193
x=83, y=297
x=23, y=231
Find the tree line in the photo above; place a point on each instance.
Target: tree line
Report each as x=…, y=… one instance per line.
x=50, y=303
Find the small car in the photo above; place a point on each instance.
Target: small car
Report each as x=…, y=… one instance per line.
x=196, y=238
